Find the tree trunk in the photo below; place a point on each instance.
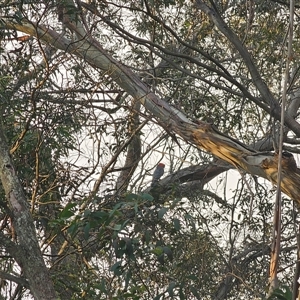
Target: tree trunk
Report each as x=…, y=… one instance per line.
x=30, y=257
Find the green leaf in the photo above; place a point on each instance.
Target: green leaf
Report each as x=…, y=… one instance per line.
x=193, y=277
x=171, y=287
x=86, y=213
x=169, y=252
x=117, y=268
x=195, y=292
x=86, y=230
x=99, y=214
x=131, y=197
x=67, y=211
x=158, y=250
x=161, y=259
x=127, y=279
x=176, y=223
x=147, y=197
x=115, y=210
x=73, y=228
x=117, y=227
x=283, y=293
x=129, y=248
x=147, y=236
x=162, y=212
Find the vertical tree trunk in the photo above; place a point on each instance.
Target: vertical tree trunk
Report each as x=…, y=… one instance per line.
x=30, y=260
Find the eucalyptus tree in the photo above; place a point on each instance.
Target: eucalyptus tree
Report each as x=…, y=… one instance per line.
x=94, y=94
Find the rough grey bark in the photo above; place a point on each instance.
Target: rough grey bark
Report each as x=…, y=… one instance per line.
x=133, y=150
x=28, y=255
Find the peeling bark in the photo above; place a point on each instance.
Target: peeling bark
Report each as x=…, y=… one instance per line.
x=201, y=134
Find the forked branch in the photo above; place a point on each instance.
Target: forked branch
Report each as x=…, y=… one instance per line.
x=200, y=134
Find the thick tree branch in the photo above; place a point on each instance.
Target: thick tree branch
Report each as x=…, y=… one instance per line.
x=15, y=279
x=233, y=38
x=12, y=248
x=133, y=150
x=256, y=77
x=237, y=268
x=201, y=134
x=220, y=71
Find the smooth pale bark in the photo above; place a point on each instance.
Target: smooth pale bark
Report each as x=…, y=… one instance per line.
x=201, y=134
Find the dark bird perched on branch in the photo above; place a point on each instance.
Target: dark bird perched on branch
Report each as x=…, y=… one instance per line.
x=158, y=172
